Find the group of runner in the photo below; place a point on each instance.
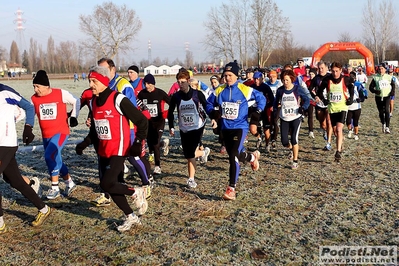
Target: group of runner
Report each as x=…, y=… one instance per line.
x=262, y=105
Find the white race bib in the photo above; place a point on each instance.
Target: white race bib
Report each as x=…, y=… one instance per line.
x=103, y=129
x=153, y=109
x=187, y=119
x=48, y=111
x=335, y=97
x=230, y=110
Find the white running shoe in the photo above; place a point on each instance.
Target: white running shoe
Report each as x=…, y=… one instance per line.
x=36, y=186
x=125, y=169
x=383, y=128
x=140, y=199
x=191, y=183
x=387, y=131
x=356, y=137
x=157, y=170
x=204, y=158
x=350, y=134
x=311, y=135
x=129, y=221
x=165, y=146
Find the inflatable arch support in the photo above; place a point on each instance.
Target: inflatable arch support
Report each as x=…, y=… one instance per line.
x=345, y=46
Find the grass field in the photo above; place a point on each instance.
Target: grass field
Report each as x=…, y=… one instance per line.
x=281, y=216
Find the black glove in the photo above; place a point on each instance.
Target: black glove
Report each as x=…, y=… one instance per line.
x=73, y=122
x=358, y=100
x=255, y=116
x=27, y=135
x=377, y=92
x=135, y=149
x=349, y=101
x=81, y=146
x=300, y=110
x=326, y=102
x=215, y=114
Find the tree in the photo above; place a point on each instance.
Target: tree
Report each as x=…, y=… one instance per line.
x=50, y=62
x=110, y=29
x=15, y=57
x=379, y=27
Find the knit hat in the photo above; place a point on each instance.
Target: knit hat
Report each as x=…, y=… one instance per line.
x=41, y=78
x=232, y=67
x=134, y=68
x=258, y=75
x=149, y=78
x=313, y=70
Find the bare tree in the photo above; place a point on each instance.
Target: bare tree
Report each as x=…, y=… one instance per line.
x=220, y=33
x=379, y=27
x=3, y=53
x=269, y=27
x=110, y=29
x=15, y=57
x=68, y=53
x=189, y=59
x=33, y=55
x=240, y=9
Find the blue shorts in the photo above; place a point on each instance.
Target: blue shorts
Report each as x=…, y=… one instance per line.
x=52, y=154
x=392, y=98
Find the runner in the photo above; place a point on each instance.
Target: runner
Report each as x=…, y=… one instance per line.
x=190, y=106
x=274, y=83
x=266, y=115
x=134, y=79
x=51, y=108
x=154, y=99
x=9, y=99
x=383, y=86
x=290, y=102
x=215, y=82
x=321, y=109
x=339, y=95
x=230, y=104
x=111, y=114
x=355, y=109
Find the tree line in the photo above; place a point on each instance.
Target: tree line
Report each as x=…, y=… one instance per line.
x=254, y=32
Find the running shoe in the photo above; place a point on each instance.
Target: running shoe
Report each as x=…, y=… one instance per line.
x=311, y=135
x=191, y=183
x=258, y=143
x=151, y=157
x=294, y=165
x=36, y=186
x=230, y=194
x=165, y=146
x=255, y=163
x=130, y=220
x=223, y=150
x=356, y=137
x=3, y=229
x=41, y=217
x=68, y=190
x=157, y=170
x=140, y=200
x=246, y=139
x=101, y=201
x=204, y=158
x=387, y=131
x=383, y=128
x=327, y=147
x=53, y=194
x=337, y=156
x=350, y=134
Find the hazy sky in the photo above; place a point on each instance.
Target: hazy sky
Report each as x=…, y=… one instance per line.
x=170, y=24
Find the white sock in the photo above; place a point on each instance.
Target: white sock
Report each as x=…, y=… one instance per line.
x=44, y=210
x=1, y=221
x=69, y=182
x=54, y=186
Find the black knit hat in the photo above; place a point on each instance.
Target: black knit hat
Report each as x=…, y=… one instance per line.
x=134, y=68
x=149, y=78
x=41, y=78
x=232, y=67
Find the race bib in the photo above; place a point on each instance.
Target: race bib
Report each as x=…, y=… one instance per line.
x=289, y=110
x=335, y=97
x=187, y=119
x=153, y=109
x=385, y=86
x=230, y=110
x=103, y=129
x=48, y=111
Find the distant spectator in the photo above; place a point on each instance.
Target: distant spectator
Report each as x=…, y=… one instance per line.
x=75, y=77
x=83, y=76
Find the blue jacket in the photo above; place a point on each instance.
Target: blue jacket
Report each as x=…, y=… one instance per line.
x=240, y=95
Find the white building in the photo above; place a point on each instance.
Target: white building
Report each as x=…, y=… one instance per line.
x=162, y=70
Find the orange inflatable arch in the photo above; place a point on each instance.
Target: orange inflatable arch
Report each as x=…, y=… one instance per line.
x=345, y=46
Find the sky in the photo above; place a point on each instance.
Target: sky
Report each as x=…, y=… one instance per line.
x=174, y=25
